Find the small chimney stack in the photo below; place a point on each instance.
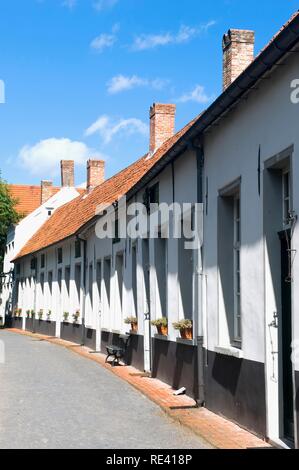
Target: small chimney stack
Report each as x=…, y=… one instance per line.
x=46, y=190
x=238, y=53
x=67, y=173
x=95, y=173
x=162, y=124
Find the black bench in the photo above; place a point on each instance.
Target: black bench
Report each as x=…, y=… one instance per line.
x=118, y=351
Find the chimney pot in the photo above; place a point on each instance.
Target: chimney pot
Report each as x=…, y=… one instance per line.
x=67, y=173
x=95, y=173
x=162, y=124
x=238, y=53
x=46, y=190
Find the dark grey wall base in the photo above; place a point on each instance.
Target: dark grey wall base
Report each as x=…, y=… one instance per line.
x=297, y=404
x=16, y=322
x=176, y=364
x=135, y=353
x=45, y=327
x=29, y=324
x=235, y=388
x=71, y=332
x=90, y=338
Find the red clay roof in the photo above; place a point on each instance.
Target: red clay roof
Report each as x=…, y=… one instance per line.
x=68, y=219
x=28, y=197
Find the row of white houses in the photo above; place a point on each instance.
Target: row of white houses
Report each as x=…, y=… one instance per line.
x=238, y=165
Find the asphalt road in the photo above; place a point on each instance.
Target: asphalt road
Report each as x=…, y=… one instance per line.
x=53, y=398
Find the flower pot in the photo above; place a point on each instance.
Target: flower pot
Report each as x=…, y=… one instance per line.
x=162, y=330
x=186, y=333
x=134, y=327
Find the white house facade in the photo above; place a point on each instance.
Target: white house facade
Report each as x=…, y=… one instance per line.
x=236, y=164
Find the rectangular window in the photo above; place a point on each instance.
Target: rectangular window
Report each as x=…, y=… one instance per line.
x=237, y=277
x=59, y=255
x=42, y=282
x=99, y=279
x=77, y=249
x=78, y=281
x=116, y=237
x=229, y=256
x=18, y=269
x=286, y=196
x=42, y=261
x=90, y=284
x=50, y=281
x=107, y=275
x=119, y=266
x=134, y=277
x=67, y=277
x=161, y=272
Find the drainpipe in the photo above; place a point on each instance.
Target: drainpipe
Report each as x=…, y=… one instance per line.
x=198, y=146
x=35, y=293
x=84, y=285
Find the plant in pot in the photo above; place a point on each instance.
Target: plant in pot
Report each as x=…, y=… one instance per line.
x=49, y=315
x=15, y=312
x=19, y=312
x=32, y=313
x=185, y=327
x=28, y=313
x=133, y=322
x=40, y=314
x=66, y=316
x=162, y=325
x=76, y=316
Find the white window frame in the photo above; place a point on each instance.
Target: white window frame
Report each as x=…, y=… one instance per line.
x=237, y=271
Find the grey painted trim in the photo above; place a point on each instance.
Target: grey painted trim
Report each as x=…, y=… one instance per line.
x=230, y=188
x=187, y=342
x=162, y=337
x=279, y=158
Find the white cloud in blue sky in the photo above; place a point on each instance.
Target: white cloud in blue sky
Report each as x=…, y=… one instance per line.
x=184, y=35
x=105, y=40
x=107, y=128
x=43, y=157
x=198, y=95
x=101, y=5
x=69, y=4
x=121, y=83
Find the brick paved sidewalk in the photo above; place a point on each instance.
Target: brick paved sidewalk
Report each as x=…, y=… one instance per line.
x=219, y=432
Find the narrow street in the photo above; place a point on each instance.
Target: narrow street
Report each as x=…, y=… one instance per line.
x=52, y=398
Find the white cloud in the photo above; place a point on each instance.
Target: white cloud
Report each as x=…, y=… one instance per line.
x=69, y=4
x=101, y=5
x=198, y=95
x=43, y=158
x=185, y=34
x=121, y=83
x=105, y=40
x=107, y=128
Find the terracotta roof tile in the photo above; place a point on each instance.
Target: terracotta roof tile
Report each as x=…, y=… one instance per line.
x=68, y=219
x=28, y=197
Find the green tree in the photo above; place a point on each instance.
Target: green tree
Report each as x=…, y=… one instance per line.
x=8, y=216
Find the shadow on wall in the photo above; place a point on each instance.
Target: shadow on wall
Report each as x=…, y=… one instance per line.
x=176, y=364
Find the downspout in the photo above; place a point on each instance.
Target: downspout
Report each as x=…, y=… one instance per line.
x=199, y=267
x=84, y=242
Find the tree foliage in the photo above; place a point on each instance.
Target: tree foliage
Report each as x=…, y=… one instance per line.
x=8, y=216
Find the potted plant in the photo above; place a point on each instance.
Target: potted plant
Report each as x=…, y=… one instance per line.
x=185, y=327
x=32, y=313
x=40, y=314
x=162, y=325
x=19, y=312
x=28, y=313
x=76, y=316
x=66, y=316
x=133, y=322
x=49, y=315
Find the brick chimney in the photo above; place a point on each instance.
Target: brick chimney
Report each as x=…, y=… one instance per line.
x=238, y=53
x=95, y=173
x=67, y=173
x=46, y=190
x=162, y=124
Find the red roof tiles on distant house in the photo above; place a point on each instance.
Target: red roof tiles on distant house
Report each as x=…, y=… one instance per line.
x=28, y=197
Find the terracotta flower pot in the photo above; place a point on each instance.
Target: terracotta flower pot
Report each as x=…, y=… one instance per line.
x=134, y=327
x=186, y=333
x=162, y=330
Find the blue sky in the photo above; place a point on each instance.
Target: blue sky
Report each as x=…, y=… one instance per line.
x=80, y=75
